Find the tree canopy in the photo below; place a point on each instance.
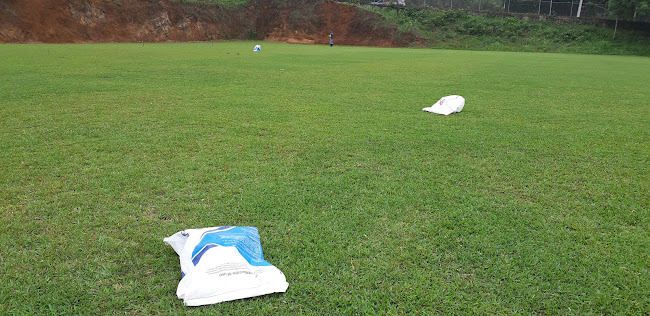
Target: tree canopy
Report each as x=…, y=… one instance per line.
x=630, y=9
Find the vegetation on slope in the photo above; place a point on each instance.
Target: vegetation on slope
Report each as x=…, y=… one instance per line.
x=461, y=30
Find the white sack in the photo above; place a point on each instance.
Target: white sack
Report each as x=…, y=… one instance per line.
x=222, y=264
x=447, y=105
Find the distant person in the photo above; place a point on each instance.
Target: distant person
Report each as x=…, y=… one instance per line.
x=331, y=38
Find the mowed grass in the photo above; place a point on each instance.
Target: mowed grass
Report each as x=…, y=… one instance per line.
x=534, y=199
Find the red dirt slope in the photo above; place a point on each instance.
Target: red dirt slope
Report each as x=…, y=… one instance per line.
x=94, y=21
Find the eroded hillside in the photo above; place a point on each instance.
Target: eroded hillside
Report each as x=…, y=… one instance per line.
x=98, y=21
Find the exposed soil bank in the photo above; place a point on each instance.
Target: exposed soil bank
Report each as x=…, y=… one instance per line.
x=106, y=21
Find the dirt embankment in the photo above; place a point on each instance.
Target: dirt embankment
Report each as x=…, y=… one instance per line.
x=95, y=21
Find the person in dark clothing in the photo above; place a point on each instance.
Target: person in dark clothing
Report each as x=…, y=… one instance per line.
x=331, y=38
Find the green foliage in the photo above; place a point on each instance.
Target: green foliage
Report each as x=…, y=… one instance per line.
x=533, y=200
x=459, y=29
x=630, y=9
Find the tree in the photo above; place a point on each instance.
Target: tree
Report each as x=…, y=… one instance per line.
x=630, y=9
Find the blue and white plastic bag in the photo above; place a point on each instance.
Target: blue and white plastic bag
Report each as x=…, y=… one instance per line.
x=223, y=264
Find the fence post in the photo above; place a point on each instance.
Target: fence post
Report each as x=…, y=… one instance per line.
x=550, y=8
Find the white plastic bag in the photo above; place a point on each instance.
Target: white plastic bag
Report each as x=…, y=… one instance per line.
x=447, y=105
x=257, y=48
x=222, y=264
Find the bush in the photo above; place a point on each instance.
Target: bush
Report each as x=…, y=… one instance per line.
x=460, y=29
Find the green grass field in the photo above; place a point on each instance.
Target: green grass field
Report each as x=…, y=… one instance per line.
x=534, y=199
